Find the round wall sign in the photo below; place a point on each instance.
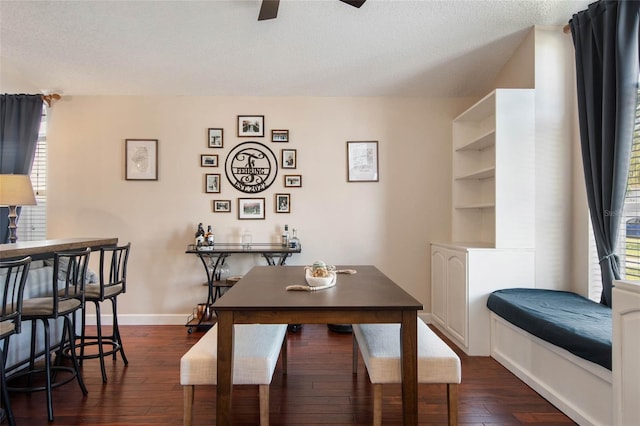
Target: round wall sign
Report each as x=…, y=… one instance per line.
x=251, y=167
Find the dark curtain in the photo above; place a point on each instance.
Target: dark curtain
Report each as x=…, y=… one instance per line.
x=606, y=39
x=19, y=124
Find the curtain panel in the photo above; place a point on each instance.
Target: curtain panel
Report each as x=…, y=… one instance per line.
x=607, y=50
x=19, y=125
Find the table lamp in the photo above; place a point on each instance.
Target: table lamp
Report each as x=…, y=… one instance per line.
x=15, y=190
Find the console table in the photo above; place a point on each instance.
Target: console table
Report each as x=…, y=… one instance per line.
x=213, y=257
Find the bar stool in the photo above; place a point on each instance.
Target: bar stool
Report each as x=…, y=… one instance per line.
x=113, y=282
x=13, y=275
x=67, y=297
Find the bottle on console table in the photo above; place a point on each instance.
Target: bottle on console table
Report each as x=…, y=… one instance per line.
x=209, y=237
x=294, y=242
x=199, y=235
x=285, y=236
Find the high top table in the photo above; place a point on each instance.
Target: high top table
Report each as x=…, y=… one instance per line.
x=365, y=297
x=44, y=249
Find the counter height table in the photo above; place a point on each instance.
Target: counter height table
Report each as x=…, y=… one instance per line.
x=44, y=249
x=367, y=296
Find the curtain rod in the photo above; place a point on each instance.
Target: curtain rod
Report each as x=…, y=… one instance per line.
x=51, y=98
x=566, y=29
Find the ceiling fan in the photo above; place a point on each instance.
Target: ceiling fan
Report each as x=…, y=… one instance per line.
x=269, y=8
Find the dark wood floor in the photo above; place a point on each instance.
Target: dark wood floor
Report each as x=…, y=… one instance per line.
x=319, y=389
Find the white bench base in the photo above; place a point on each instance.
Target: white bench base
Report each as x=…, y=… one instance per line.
x=380, y=348
x=579, y=388
x=256, y=351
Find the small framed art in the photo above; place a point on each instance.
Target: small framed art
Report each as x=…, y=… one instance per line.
x=141, y=159
x=283, y=203
x=250, y=208
x=212, y=183
x=250, y=125
x=216, y=138
x=207, y=160
x=279, y=136
x=362, y=161
x=289, y=159
x=222, y=206
x=292, y=181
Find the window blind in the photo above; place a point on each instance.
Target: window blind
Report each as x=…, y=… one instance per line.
x=628, y=245
x=32, y=224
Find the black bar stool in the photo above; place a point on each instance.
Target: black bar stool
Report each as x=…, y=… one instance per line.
x=67, y=297
x=13, y=275
x=113, y=282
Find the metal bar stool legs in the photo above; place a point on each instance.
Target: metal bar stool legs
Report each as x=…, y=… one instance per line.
x=113, y=277
x=49, y=369
x=6, y=402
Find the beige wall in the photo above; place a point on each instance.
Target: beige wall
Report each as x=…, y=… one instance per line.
x=388, y=224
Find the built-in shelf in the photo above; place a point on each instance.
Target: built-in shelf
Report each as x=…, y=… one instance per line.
x=486, y=173
x=477, y=206
x=492, y=210
x=483, y=142
x=492, y=153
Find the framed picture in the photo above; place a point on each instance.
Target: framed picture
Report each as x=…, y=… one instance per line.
x=292, y=181
x=279, y=136
x=250, y=208
x=141, y=159
x=289, y=159
x=222, y=206
x=362, y=161
x=216, y=138
x=283, y=203
x=250, y=125
x=207, y=160
x=212, y=183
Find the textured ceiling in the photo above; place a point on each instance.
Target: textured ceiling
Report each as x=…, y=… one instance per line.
x=314, y=47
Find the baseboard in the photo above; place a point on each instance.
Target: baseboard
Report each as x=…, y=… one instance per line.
x=143, y=319
x=426, y=317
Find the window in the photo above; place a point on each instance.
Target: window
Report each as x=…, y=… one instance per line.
x=628, y=248
x=32, y=224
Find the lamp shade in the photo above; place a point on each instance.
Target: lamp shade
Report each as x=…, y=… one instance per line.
x=16, y=190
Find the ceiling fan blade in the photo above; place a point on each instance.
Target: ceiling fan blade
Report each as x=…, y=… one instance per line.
x=354, y=3
x=268, y=10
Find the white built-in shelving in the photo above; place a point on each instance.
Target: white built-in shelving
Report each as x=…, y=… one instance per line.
x=492, y=244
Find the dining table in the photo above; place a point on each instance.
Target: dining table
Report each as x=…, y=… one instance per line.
x=362, y=294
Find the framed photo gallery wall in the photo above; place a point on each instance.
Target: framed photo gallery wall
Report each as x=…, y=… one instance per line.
x=249, y=208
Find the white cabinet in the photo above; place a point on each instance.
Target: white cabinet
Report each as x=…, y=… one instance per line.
x=448, y=297
x=462, y=279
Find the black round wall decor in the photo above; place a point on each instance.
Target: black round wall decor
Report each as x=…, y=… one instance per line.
x=251, y=167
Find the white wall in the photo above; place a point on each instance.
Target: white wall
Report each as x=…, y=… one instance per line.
x=554, y=84
x=388, y=224
x=544, y=61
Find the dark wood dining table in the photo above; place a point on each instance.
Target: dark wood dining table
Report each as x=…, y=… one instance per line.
x=368, y=296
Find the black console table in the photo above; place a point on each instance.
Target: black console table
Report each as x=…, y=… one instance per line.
x=213, y=257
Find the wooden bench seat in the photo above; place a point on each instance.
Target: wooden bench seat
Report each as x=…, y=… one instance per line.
x=256, y=351
x=380, y=348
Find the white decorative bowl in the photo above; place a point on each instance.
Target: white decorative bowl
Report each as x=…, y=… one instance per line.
x=318, y=281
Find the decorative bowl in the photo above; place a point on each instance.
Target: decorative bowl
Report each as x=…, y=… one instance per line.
x=319, y=281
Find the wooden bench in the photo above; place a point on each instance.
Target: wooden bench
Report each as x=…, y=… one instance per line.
x=380, y=348
x=256, y=350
